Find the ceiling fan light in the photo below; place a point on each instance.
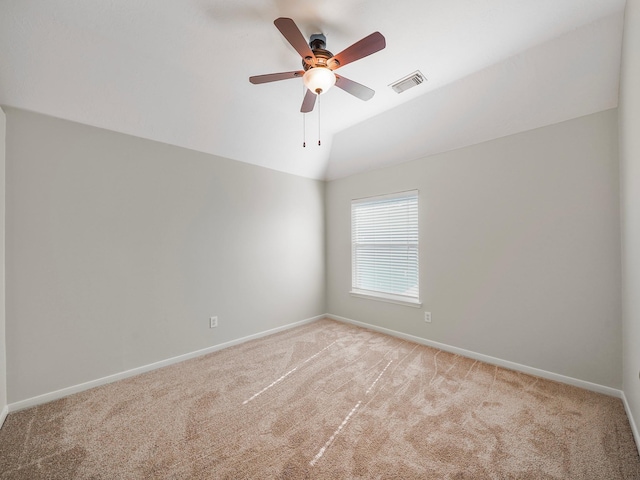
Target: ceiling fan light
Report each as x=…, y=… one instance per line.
x=319, y=79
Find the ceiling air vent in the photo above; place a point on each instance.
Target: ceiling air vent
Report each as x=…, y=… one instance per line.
x=410, y=81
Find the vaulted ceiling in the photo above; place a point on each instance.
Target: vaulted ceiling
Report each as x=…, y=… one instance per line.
x=177, y=72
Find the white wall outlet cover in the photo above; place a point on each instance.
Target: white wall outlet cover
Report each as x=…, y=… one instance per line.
x=427, y=317
x=213, y=322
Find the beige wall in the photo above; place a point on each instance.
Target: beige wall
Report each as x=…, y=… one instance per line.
x=3, y=360
x=630, y=205
x=520, y=248
x=119, y=250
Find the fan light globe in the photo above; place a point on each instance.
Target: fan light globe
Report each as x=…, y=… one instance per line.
x=319, y=79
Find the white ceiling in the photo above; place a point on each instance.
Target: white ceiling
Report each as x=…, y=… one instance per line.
x=177, y=72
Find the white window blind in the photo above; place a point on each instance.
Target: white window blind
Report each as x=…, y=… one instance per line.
x=384, y=257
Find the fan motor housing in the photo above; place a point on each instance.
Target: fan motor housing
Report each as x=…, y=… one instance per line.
x=324, y=58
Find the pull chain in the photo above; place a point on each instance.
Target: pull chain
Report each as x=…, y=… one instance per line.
x=319, y=120
x=304, y=130
x=304, y=121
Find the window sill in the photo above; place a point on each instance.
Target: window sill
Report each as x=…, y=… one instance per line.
x=385, y=297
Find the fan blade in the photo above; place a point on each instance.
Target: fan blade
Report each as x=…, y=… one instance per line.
x=292, y=33
x=354, y=88
x=274, y=77
x=309, y=102
x=368, y=45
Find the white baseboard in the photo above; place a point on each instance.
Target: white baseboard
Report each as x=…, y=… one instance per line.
x=64, y=392
x=3, y=415
x=48, y=397
x=487, y=359
x=634, y=427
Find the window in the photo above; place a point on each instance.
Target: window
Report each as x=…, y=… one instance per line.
x=384, y=240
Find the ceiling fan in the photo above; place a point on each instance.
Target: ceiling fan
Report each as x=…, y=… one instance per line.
x=319, y=64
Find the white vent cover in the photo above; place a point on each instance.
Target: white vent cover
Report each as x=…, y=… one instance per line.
x=416, y=78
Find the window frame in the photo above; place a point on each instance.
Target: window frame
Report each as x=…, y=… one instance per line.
x=385, y=296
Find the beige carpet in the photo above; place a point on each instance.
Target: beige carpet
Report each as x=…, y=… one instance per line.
x=326, y=401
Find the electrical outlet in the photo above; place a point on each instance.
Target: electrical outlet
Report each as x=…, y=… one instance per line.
x=427, y=317
x=213, y=322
